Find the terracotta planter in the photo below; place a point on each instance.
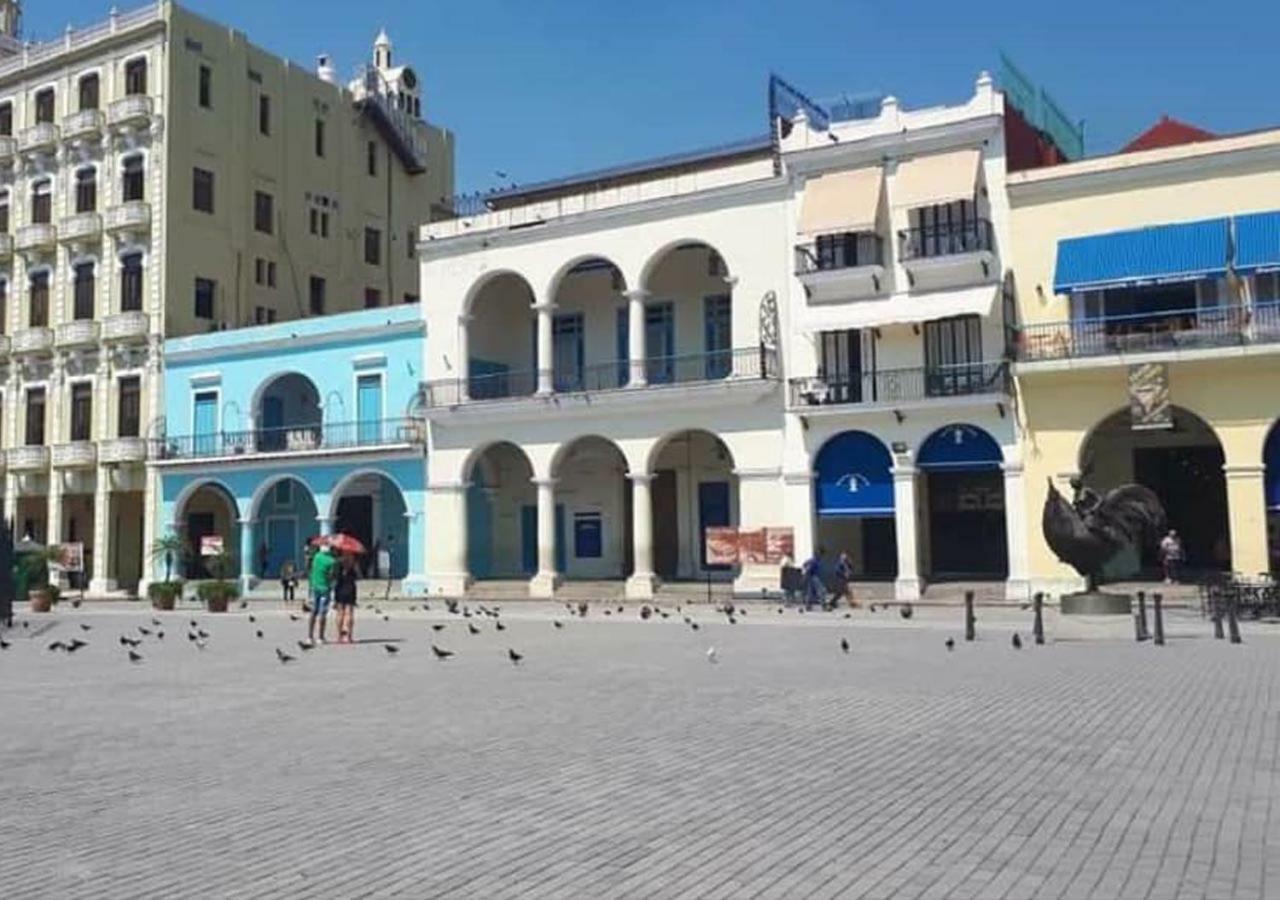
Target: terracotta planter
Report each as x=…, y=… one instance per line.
x=217, y=604
x=163, y=602
x=41, y=600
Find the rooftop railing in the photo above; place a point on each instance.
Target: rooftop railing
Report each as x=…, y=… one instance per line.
x=1149, y=332
x=75, y=38
x=303, y=438
x=900, y=385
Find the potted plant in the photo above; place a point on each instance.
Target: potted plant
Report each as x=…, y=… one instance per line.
x=167, y=549
x=33, y=572
x=218, y=593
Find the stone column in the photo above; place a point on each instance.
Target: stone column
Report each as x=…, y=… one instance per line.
x=1247, y=518
x=546, y=365
x=797, y=490
x=246, y=555
x=324, y=524
x=1018, y=586
x=908, y=586
x=463, y=363
x=544, y=584
x=636, y=351
x=100, y=582
x=643, y=581
x=448, y=570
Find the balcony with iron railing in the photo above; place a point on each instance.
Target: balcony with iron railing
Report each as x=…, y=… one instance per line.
x=841, y=267
x=948, y=255
x=895, y=387
x=1165, y=331
x=328, y=437
x=747, y=365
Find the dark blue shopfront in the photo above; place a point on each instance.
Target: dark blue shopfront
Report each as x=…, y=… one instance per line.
x=961, y=475
x=853, y=499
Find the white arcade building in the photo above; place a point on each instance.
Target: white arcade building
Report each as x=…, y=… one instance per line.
x=804, y=330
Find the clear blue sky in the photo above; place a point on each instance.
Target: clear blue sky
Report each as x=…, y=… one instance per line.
x=543, y=88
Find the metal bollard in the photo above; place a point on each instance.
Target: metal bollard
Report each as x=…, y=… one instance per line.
x=969, y=621
x=1037, y=626
x=1137, y=627
x=1233, y=620
x=1143, y=633
x=1216, y=614
x=1157, y=600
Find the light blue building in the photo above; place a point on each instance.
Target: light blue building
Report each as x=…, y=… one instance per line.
x=277, y=433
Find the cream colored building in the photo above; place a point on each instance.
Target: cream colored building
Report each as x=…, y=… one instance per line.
x=160, y=176
x=1147, y=346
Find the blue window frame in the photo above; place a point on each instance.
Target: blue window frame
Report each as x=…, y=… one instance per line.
x=660, y=342
x=368, y=407
x=623, y=346
x=567, y=351
x=717, y=327
x=588, y=535
x=205, y=421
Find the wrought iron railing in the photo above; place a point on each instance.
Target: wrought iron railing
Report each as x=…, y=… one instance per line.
x=746, y=363
x=1150, y=332
x=901, y=385
x=292, y=439
x=930, y=241
x=850, y=251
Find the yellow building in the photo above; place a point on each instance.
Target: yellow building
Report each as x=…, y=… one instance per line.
x=161, y=176
x=1147, y=342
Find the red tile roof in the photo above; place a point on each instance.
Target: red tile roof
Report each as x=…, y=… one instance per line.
x=1167, y=132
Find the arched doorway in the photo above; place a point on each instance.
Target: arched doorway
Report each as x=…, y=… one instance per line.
x=1271, y=459
x=963, y=487
x=370, y=507
x=593, y=510
x=209, y=512
x=288, y=414
x=853, y=502
x=502, y=339
x=1182, y=464
x=502, y=514
x=693, y=489
x=688, y=315
x=284, y=519
x=589, y=300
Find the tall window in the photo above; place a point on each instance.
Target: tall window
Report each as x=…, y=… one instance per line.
x=42, y=202
x=44, y=105
x=6, y=119
x=317, y=295
x=131, y=283
x=206, y=87
x=4, y=304
x=129, y=412
x=81, y=411
x=202, y=190
x=89, y=91
x=372, y=298
x=38, y=294
x=263, y=212
x=264, y=114
x=35, y=417
x=373, y=246
x=135, y=76
x=84, y=290
x=132, y=183
x=319, y=137
x=717, y=315
x=953, y=355
x=205, y=289
x=371, y=157
x=86, y=190
x=4, y=212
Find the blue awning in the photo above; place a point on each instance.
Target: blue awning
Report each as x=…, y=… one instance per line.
x=959, y=447
x=1271, y=457
x=1183, y=252
x=853, y=477
x=1258, y=241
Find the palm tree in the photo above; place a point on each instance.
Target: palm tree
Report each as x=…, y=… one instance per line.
x=169, y=547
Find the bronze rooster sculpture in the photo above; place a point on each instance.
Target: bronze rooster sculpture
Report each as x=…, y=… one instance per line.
x=1086, y=532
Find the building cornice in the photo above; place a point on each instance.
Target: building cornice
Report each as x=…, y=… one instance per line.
x=56, y=53
x=289, y=342
x=764, y=189
x=893, y=145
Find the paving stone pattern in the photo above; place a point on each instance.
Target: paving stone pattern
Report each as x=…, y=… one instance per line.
x=617, y=761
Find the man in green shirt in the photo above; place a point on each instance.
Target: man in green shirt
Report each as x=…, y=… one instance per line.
x=323, y=569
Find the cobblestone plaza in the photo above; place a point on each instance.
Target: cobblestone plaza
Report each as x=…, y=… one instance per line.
x=617, y=760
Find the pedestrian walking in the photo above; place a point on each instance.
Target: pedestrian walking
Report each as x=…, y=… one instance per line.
x=811, y=572
x=320, y=580
x=288, y=581
x=1171, y=556
x=845, y=573
x=344, y=597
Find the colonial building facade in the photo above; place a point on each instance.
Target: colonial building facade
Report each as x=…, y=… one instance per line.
x=162, y=176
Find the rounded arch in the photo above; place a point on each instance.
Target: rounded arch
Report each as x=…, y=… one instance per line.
x=959, y=446
x=663, y=253
x=479, y=286
x=480, y=451
x=564, y=452
x=1183, y=417
x=853, y=476
x=501, y=504
x=269, y=484
x=255, y=402
x=346, y=481
x=190, y=490
x=664, y=442
x=585, y=262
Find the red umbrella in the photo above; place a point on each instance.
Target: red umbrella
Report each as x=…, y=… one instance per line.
x=339, y=543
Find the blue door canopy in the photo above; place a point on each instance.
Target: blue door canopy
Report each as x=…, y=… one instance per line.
x=1258, y=242
x=854, y=477
x=1271, y=457
x=959, y=448
x=1186, y=251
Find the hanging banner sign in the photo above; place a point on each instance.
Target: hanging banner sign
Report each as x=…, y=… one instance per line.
x=1149, y=406
x=210, y=545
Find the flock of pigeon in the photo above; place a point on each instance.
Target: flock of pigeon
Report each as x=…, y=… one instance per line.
x=199, y=638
